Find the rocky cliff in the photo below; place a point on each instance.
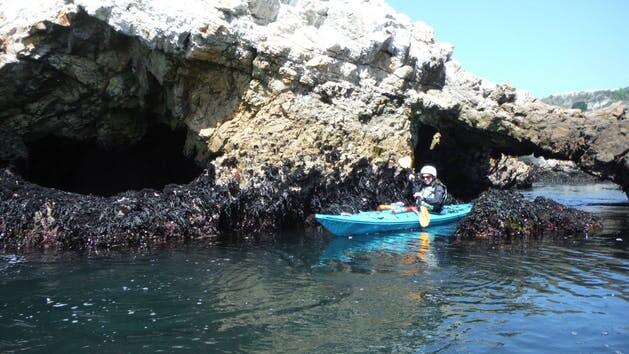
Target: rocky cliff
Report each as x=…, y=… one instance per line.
x=290, y=107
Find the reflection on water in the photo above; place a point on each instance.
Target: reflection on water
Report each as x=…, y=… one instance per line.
x=405, y=292
x=410, y=243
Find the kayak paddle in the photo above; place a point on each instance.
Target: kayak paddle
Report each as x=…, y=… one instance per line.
x=424, y=216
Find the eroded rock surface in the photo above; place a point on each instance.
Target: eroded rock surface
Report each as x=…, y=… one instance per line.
x=509, y=121
x=521, y=172
x=329, y=92
x=551, y=171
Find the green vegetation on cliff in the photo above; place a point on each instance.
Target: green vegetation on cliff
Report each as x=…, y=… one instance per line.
x=621, y=94
x=589, y=100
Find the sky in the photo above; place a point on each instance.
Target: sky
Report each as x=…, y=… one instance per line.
x=542, y=46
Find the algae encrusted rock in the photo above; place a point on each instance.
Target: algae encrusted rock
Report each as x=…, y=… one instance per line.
x=506, y=216
x=330, y=93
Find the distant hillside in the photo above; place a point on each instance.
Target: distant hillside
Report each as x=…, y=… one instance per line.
x=589, y=100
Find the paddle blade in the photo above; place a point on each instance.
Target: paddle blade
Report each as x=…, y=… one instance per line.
x=424, y=217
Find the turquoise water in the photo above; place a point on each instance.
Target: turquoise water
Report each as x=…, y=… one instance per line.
x=405, y=292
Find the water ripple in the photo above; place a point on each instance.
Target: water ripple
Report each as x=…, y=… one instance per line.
x=408, y=292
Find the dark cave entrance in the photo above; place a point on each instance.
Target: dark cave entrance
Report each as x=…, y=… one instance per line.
x=461, y=162
x=87, y=168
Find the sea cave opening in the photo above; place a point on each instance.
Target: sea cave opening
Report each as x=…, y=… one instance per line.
x=460, y=161
x=86, y=167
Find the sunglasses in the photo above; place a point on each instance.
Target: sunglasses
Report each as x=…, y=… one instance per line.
x=427, y=177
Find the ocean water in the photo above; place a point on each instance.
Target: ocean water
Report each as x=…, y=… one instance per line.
x=405, y=292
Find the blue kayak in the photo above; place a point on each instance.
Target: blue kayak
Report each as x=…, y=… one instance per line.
x=381, y=221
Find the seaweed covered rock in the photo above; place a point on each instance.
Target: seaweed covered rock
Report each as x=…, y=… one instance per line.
x=35, y=217
x=504, y=215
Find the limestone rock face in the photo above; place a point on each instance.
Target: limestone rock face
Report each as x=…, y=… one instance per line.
x=551, y=171
x=508, y=120
x=283, y=80
x=510, y=172
x=334, y=91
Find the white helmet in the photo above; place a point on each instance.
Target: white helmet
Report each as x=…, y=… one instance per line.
x=428, y=170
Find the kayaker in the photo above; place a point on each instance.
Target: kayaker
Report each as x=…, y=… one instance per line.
x=429, y=191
